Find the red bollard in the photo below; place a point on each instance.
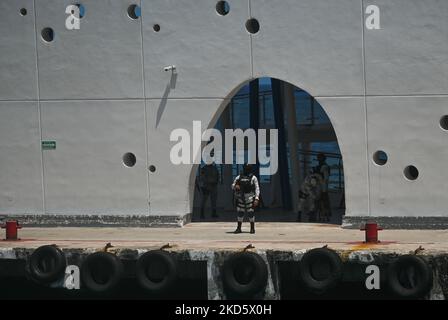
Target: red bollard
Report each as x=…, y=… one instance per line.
x=371, y=229
x=11, y=227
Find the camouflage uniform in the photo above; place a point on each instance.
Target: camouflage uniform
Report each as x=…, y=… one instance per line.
x=309, y=194
x=247, y=195
x=324, y=203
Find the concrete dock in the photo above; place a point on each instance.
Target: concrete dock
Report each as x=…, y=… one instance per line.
x=216, y=236
x=202, y=249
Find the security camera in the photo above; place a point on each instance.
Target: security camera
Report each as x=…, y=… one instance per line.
x=169, y=68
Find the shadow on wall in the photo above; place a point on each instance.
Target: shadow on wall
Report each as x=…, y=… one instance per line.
x=170, y=86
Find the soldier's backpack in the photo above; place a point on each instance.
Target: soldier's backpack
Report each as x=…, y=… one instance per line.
x=245, y=183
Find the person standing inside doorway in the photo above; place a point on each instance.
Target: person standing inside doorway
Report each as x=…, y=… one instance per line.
x=323, y=169
x=309, y=196
x=208, y=184
x=247, y=194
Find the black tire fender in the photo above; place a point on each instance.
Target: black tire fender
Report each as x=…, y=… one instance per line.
x=47, y=264
x=156, y=271
x=101, y=272
x=245, y=274
x=320, y=270
x=409, y=276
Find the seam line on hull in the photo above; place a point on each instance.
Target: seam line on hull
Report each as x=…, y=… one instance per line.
x=250, y=43
x=144, y=107
x=224, y=98
x=365, y=106
x=39, y=111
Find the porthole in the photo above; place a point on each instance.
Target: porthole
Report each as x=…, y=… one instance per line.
x=411, y=172
x=222, y=8
x=129, y=160
x=380, y=158
x=82, y=10
x=47, y=34
x=444, y=123
x=252, y=25
x=134, y=11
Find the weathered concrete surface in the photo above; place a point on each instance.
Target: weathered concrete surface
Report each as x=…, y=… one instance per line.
x=219, y=236
x=409, y=223
x=215, y=242
x=92, y=220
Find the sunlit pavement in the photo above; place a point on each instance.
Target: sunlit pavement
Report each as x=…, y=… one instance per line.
x=219, y=236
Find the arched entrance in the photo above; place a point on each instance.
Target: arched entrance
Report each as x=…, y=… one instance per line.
x=305, y=134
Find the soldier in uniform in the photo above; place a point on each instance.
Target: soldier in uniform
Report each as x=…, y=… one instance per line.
x=208, y=184
x=323, y=169
x=247, y=195
x=309, y=196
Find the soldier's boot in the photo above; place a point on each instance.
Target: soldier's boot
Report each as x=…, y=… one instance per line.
x=252, y=227
x=238, y=228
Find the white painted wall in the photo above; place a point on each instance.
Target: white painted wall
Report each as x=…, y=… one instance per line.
x=20, y=158
x=101, y=91
x=85, y=174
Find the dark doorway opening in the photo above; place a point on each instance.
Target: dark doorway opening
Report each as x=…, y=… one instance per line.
x=304, y=133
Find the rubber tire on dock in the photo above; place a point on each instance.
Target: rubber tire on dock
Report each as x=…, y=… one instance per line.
x=156, y=271
x=423, y=280
x=101, y=272
x=252, y=266
x=320, y=270
x=47, y=264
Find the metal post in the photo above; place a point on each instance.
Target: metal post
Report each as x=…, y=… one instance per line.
x=254, y=114
x=282, y=150
x=290, y=107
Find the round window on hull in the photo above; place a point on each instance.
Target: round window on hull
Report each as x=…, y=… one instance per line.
x=380, y=158
x=252, y=26
x=222, y=8
x=411, y=173
x=134, y=12
x=444, y=123
x=47, y=34
x=129, y=159
x=82, y=10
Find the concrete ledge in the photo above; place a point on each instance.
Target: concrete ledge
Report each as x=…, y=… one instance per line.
x=140, y=221
x=434, y=223
x=205, y=266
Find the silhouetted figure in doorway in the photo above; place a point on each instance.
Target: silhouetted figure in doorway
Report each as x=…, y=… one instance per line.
x=208, y=184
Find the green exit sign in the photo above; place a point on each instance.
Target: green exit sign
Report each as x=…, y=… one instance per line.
x=48, y=145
